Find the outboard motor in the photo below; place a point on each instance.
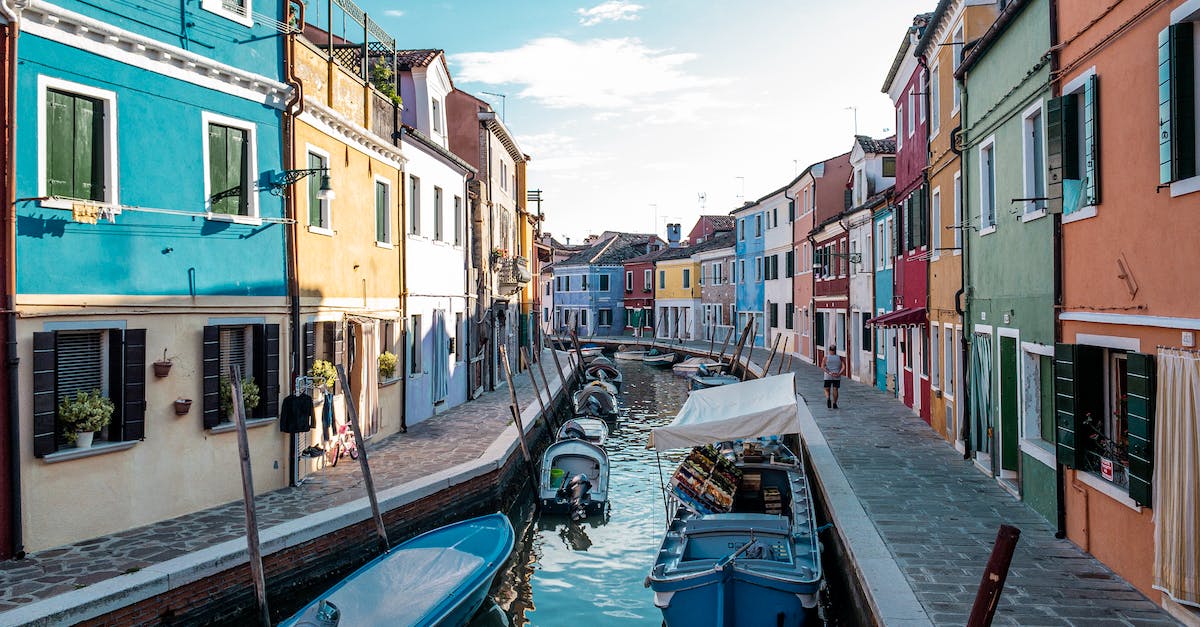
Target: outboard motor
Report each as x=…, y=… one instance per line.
x=576, y=490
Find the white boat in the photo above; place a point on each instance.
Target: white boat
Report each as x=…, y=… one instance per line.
x=692, y=365
x=574, y=478
x=591, y=350
x=629, y=355
x=595, y=400
x=658, y=359
x=589, y=429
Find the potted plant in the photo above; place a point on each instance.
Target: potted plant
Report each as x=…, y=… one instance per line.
x=163, y=366
x=324, y=373
x=82, y=415
x=387, y=364
x=498, y=254
x=182, y=406
x=250, y=396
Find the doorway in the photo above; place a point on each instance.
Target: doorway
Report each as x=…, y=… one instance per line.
x=1009, y=410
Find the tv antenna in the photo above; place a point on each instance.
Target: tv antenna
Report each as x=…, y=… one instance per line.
x=702, y=198
x=503, y=102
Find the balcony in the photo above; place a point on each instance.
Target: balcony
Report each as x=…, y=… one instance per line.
x=514, y=273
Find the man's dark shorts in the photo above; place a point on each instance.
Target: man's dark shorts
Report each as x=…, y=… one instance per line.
x=833, y=383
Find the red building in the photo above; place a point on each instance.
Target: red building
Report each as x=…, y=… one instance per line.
x=639, y=294
x=830, y=241
x=708, y=226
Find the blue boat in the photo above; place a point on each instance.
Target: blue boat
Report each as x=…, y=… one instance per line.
x=746, y=556
x=440, y=577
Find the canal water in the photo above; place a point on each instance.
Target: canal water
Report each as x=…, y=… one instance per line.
x=570, y=574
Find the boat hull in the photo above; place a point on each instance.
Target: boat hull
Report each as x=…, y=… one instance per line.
x=571, y=457
x=659, y=361
x=703, y=383
x=735, y=598
x=629, y=355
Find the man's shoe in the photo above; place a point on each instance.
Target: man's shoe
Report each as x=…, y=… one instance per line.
x=835, y=406
x=828, y=403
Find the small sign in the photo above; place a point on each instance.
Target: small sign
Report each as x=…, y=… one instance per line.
x=1106, y=469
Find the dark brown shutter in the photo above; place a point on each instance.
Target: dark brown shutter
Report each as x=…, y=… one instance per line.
x=44, y=403
x=1141, y=387
x=310, y=345
x=211, y=371
x=116, y=384
x=266, y=369
x=133, y=422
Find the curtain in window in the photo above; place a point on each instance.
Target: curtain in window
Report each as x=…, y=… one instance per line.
x=441, y=352
x=981, y=392
x=1177, y=473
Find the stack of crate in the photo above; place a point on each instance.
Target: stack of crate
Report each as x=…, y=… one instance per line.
x=772, y=501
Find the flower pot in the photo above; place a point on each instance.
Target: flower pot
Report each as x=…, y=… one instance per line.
x=84, y=439
x=182, y=406
x=162, y=368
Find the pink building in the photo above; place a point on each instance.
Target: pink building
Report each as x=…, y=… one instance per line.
x=819, y=190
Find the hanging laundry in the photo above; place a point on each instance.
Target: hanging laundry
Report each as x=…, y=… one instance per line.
x=296, y=414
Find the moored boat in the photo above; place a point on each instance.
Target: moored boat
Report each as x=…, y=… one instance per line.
x=574, y=478
x=604, y=372
x=629, y=355
x=710, y=378
x=595, y=400
x=691, y=365
x=440, y=577
x=741, y=547
x=591, y=350
x=589, y=429
x=658, y=359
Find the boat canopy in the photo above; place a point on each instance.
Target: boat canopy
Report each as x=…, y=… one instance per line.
x=750, y=409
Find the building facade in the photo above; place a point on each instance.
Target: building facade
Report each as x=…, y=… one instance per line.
x=779, y=266
x=677, y=294
x=821, y=184
x=750, y=225
x=716, y=259
x=589, y=287
x=639, y=295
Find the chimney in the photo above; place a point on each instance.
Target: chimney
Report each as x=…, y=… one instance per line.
x=673, y=231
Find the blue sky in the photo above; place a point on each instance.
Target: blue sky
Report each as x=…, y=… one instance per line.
x=633, y=108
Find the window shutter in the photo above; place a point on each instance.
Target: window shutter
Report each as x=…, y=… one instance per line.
x=266, y=368
x=218, y=172
x=45, y=401
x=310, y=345
x=1141, y=388
x=1091, y=141
x=133, y=420
x=339, y=348
x=848, y=199
x=235, y=169
x=60, y=142
x=1176, y=103
x=87, y=167
x=790, y=263
x=211, y=372
x=923, y=219
x=1078, y=386
x=1061, y=160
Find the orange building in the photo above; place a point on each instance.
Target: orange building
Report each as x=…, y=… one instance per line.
x=1122, y=156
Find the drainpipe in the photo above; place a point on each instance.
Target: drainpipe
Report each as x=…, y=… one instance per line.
x=1059, y=470
x=965, y=306
x=292, y=109
x=12, y=359
x=398, y=138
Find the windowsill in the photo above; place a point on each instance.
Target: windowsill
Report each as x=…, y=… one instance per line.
x=236, y=219
x=226, y=427
x=1039, y=450
x=1033, y=215
x=68, y=203
x=1079, y=214
x=385, y=245
x=320, y=230
x=1186, y=186
x=389, y=382
x=987, y=230
x=95, y=449
x=1113, y=492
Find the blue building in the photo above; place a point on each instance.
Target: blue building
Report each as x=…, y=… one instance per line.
x=589, y=287
x=748, y=248
x=883, y=257
x=147, y=231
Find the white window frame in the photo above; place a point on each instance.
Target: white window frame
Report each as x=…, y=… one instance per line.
x=921, y=101
x=648, y=279
x=326, y=204
x=935, y=357
x=1189, y=12
x=388, y=226
x=460, y=220
x=251, y=217
x=900, y=124
x=889, y=257
x=935, y=103
x=957, y=43
x=412, y=205
x=988, y=145
x=1075, y=86
x=629, y=281
x=217, y=7
x=958, y=217
x=912, y=114
x=436, y=115
x=879, y=243
x=1032, y=210
x=439, y=214
x=935, y=208
x=111, y=162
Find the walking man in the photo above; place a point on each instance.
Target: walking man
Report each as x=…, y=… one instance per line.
x=832, y=368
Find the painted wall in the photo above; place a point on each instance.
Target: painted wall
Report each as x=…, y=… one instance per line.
x=673, y=271
x=642, y=294
x=777, y=241
x=884, y=268
x=912, y=150
x=719, y=293
x=574, y=298
x=823, y=185
x=749, y=248
x=862, y=297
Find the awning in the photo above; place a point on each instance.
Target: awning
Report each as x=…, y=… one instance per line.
x=751, y=409
x=900, y=318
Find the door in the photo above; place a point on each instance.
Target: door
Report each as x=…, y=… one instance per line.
x=1009, y=411
x=439, y=358
x=852, y=344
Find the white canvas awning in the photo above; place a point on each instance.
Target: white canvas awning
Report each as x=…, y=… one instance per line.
x=751, y=409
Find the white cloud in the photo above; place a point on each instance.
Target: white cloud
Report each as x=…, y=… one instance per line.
x=611, y=11
x=597, y=73
x=394, y=13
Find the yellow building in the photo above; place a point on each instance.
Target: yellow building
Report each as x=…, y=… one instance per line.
x=677, y=294
x=348, y=249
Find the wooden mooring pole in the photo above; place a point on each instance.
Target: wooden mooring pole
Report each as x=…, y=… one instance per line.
x=368, y=481
x=562, y=378
x=516, y=412
x=994, y=575
x=728, y=336
x=533, y=381
x=252, y=544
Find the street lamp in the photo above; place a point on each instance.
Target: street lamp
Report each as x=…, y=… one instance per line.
x=288, y=177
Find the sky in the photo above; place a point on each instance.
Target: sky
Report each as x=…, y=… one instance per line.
x=637, y=113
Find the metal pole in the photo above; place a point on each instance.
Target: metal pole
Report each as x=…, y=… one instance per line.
x=516, y=412
x=992, y=584
x=368, y=482
x=252, y=545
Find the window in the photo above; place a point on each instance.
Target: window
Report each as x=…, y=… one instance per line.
x=460, y=331
x=687, y=278
x=880, y=238
x=318, y=208
x=935, y=100
x=235, y=10
x=805, y=257
x=936, y=213
x=865, y=330
x=791, y=210
x=604, y=317
x=957, y=217
x=383, y=214
x=919, y=99
x=819, y=329
x=853, y=251
x=1072, y=138
x=987, y=186
x=758, y=268
x=957, y=45
x=628, y=281
x=741, y=223
x=789, y=316
x=457, y=220
x=603, y=282
x=647, y=281
x=415, y=339
x=547, y=288
x=235, y=350
x=951, y=363
x=900, y=125
x=774, y=217
x=935, y=371
x=789, y=264
x=414, y=205
x=436, y=114
x=773, y=314
x=503, y=175
x=79, y=141
x=437, y=214
x=583, y=317
x=1177, y=145
x=1034, y=157
x=583, y=282
x=758, y=225
x=662, y=280
x=912, y=106
x=890, y=232
x=742, y=270
x=889, y=167
x=230, y=166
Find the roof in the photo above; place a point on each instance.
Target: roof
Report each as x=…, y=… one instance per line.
x=426, y=141
x=871, y=202
x=408, y=59
x=920, y=21
x=611, y=251
x=1006, y=17
x=927, y=36
x=719, y=222
x=876, y=146
x=721, y=240
x=650, y=256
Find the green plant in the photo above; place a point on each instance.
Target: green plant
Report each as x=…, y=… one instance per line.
x=250, y=396
x=387, y=364
x=382, y=78
x=324, y=372
x=84, y=413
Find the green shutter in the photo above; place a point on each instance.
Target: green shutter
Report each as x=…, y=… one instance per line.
x=1078, y=392
x=87, y=183
x=218, y=171
x=1061, y=159
x=1091, y=142
x=236, y=147
x=314, y=189
x=1141, y=389
x=380, y=212
x=74, y=143
x=1176, y=103
x=60, y=143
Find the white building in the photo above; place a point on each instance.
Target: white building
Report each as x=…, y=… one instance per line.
x=779, y=266
x=873, y=178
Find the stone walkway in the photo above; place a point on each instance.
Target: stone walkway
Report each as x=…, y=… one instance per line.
x=458, y=435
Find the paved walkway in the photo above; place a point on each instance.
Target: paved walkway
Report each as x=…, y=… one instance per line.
x=938, y=516
x=459, y=435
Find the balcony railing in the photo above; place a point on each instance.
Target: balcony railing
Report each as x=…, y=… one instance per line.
x=514, y=273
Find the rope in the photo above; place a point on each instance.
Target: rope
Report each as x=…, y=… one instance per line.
x=662, y=484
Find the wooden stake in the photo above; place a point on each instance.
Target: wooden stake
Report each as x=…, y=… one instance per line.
x=771, y=355
x=516, y=412
x=786, y=340
x=533, y=380
x=368, y=482
x=992, y=584
x=728, y=336
x=750, y=343
x=578, y=352
x=546, y=382
x=252, y=545
x=562, y=378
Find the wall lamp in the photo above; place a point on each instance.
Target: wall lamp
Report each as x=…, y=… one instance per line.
x=288, y=177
